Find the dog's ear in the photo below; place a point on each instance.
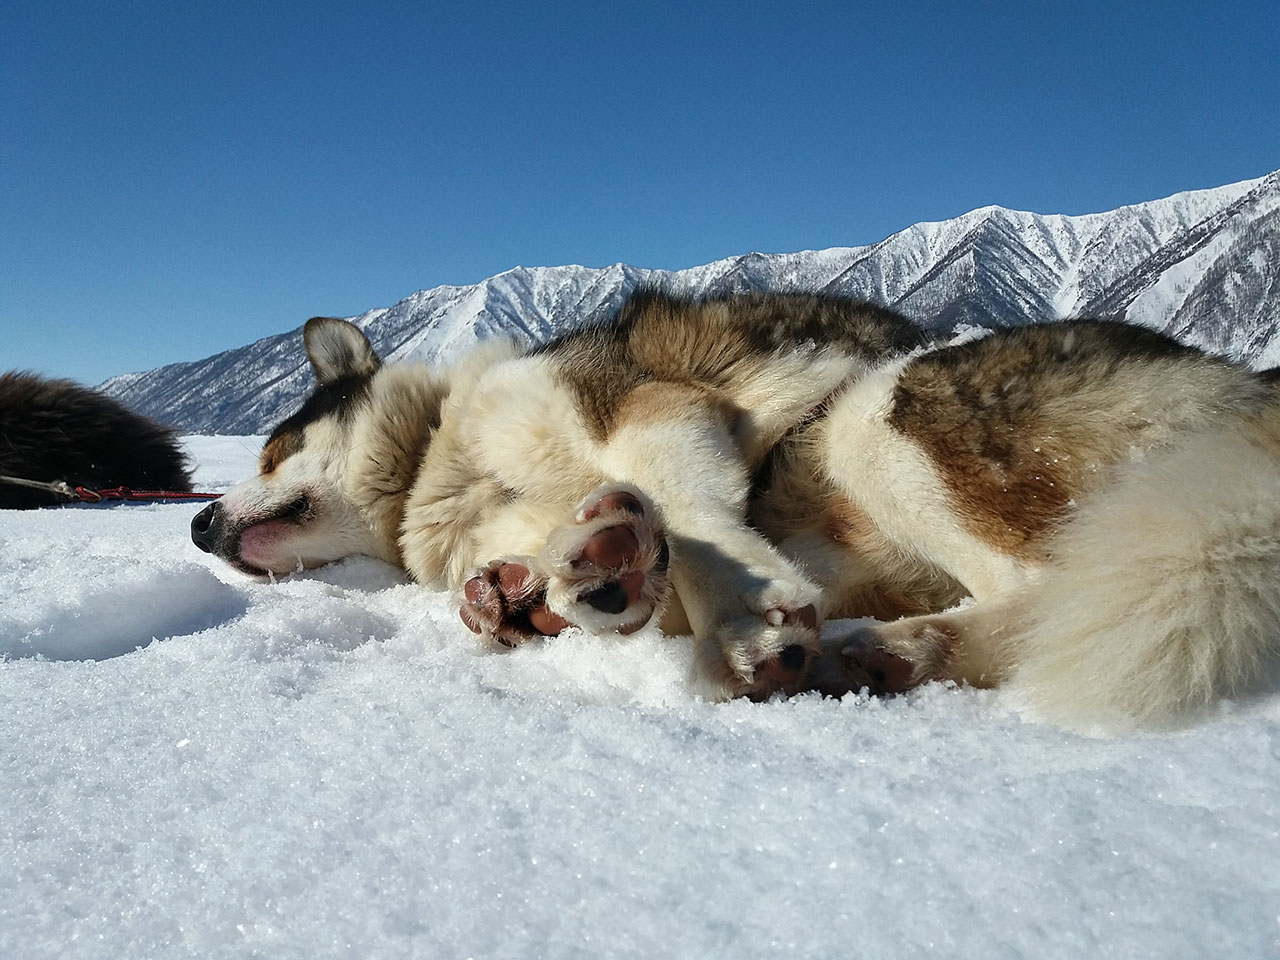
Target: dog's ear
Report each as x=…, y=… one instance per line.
x=338, y=349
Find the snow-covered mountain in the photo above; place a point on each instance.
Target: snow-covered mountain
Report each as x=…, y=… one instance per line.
x=1203, y=266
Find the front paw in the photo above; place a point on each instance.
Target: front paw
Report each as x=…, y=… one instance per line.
x=608, y=567
x=506, y=602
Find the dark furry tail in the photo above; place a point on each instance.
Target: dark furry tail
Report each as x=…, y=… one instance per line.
x=58, y=430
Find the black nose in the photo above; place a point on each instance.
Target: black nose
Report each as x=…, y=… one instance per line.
x=206, y=527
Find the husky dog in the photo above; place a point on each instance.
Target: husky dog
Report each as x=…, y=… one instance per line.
x=53, y=430
x=1089, y=511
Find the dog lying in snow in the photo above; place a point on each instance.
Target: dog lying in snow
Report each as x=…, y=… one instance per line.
x=746, y=467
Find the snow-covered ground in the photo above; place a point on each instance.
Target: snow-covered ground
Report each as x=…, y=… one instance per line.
x=195, y=764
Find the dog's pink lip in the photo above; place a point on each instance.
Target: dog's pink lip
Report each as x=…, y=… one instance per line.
x=261, y=536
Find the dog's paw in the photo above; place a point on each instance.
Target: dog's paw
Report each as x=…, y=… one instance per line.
x=885, y=658
x=506, y=602
x=765, y=652
x=608, y=567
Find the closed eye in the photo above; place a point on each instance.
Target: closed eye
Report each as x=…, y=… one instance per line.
x=297, y=509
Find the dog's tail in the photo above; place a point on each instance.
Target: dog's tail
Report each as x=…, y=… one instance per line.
x=1164, y=591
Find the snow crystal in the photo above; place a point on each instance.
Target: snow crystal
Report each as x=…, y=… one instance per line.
x=199, y=764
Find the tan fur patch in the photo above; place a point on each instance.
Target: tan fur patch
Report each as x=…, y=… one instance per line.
x=902, y=587
x=1022, y=424
x=276, y=450
x=653, y=403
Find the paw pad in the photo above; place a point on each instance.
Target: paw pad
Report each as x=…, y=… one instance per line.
x=608, y=567
x=506, y=602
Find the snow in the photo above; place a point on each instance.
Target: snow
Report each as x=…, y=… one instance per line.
x=1163, y=299
x=199, y=764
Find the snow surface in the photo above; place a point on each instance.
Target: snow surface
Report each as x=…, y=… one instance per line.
x=196, y=764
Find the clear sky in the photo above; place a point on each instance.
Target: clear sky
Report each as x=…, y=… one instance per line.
x=181, y=178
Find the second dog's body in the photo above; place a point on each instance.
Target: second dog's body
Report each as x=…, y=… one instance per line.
x=58, y=430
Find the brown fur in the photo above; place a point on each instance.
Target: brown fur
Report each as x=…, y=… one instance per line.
x=714, y=345
x=385, y=467
x=1022, y=425
x=280, y=446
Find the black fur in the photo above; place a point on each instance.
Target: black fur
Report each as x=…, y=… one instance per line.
x=341, y=398
x=58, y=430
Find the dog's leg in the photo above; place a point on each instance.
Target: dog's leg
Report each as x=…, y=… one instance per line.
x=966, y=646
x=754, y=614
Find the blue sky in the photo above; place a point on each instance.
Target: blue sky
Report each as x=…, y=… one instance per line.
x=181, y=178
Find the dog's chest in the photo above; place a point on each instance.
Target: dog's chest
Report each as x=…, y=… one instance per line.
x=528, y=432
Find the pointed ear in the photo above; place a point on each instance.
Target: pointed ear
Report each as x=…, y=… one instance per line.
x=338, y=349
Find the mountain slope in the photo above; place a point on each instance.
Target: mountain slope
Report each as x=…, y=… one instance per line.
x=1202, y=266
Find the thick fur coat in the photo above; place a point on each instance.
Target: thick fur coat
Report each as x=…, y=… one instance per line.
x=1087, y=511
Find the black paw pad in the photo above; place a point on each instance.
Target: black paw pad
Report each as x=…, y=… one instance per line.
x=610, y=598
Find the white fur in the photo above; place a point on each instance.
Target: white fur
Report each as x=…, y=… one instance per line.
x=728, y=576
x=527, y=431
x=894, y=481
x=1164, y=592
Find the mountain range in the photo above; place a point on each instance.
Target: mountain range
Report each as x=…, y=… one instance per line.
x=1203, y=266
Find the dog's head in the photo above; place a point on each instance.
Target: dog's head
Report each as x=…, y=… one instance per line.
x=301, y=510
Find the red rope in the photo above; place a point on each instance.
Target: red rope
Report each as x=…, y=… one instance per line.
x=87, y=495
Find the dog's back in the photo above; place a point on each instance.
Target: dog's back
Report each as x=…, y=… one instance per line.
x=767, y=358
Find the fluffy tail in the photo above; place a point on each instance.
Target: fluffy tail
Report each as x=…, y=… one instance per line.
x=1164, y=592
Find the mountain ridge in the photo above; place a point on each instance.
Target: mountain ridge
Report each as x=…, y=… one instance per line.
x=1200, y=264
